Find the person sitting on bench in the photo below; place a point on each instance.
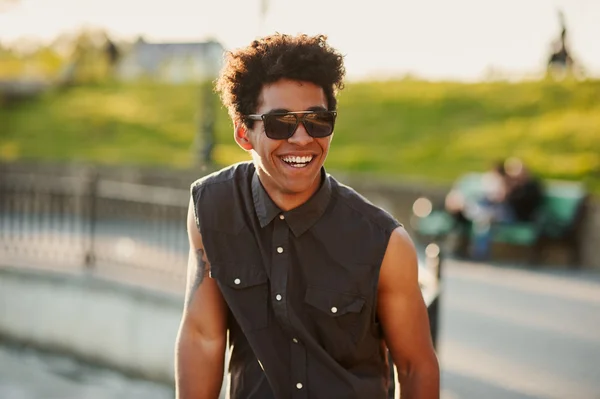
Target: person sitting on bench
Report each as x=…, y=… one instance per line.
x=510, y=194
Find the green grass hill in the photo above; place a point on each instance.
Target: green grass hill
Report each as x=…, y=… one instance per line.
x=409, y=129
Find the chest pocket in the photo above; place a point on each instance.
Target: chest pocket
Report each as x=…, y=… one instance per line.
x=341, y=319
x=334, y=304
x=245, y=287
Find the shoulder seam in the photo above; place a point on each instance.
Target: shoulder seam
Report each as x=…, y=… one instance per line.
x=210, y=183
x=207, y=181
x=371, y=219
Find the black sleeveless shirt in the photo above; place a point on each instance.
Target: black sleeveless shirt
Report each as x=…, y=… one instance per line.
x=301, y=286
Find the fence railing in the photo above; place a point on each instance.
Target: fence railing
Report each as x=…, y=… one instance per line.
x=93, y=223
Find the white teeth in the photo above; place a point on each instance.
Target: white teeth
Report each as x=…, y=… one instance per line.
x=297, y=160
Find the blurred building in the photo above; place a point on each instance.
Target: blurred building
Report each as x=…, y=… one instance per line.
x=171, y=62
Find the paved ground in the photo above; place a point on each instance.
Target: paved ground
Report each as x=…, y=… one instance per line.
x=506, y=334
x=510, y=333
x=25, y=374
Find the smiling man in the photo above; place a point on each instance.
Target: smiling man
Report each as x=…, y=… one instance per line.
x=309, y=281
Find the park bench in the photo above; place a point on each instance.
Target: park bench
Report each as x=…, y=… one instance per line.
x=557, y=221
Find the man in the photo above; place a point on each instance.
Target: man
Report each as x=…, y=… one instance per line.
x=525, y=192
x=312, y=282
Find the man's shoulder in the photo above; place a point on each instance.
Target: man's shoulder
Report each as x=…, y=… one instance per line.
x=218, y=198
x=231, y=174
x=359, y=204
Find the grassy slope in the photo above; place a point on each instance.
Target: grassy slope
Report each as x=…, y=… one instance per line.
x=410, y=128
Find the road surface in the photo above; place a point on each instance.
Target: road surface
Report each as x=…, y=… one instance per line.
x=518, y=334
x=28, y=374
x=506, y=334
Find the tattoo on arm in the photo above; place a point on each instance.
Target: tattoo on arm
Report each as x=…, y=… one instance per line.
x=200, y=271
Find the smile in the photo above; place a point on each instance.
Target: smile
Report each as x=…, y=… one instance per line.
x=297, y=162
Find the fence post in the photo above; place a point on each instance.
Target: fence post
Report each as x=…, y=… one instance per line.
x=90, y=256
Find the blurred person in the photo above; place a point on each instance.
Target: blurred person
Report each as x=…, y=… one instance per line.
x=525, y=191
x=470, y=212
x=310, y=282
x=112, y=55
x=560, y=62
x=510, y=194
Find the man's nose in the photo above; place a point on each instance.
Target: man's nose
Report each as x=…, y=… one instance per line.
x=301, y=136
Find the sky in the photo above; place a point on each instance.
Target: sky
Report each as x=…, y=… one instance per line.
x=433, y=39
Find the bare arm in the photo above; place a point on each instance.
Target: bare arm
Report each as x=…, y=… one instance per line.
x=403, y=316
x=200, y=348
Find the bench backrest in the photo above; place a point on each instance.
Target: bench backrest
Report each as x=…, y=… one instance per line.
x=562, y=199
x=470, y=185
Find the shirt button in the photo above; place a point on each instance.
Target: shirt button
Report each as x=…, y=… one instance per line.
x=280, y=250
x=299, y=385
x=334, y=310
x=295, y=340
x=281, y=217
x=278, y=297
x=237, y=281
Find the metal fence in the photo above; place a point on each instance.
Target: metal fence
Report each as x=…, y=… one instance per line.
x=92, y=223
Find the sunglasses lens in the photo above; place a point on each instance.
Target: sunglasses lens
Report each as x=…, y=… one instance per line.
x=280, y=127
x=319, y=124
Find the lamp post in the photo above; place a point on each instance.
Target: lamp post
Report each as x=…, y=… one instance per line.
x=205, y=137
x=264, y=8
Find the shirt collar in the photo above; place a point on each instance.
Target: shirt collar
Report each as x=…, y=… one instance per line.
x=298, y=219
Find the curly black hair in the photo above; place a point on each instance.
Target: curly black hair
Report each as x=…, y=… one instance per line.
x=271, y=58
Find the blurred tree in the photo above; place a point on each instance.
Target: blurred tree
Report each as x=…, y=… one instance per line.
x=10, y=64
x=87, y=62
x=47, y=61
x=30, y=61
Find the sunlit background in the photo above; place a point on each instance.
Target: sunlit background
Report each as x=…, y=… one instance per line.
x=107, y=114
x=462, y=39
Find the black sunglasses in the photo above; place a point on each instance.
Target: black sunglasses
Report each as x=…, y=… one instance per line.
x=283, y=125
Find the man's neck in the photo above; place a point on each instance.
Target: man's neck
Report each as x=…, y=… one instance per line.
x=288, y=200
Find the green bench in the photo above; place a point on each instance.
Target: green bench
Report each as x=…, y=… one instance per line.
x=558, y=219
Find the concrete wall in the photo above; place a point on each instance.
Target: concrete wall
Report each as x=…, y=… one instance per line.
x=127, y=328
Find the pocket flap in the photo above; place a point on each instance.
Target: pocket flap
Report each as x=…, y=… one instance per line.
x=239, y=276
x=333, y=303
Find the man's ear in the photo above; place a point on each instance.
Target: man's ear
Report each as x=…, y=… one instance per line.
x=241, y=135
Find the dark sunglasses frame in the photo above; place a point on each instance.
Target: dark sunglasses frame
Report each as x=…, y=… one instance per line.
x=300, y=118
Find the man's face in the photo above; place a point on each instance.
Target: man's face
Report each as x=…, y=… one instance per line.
x=289, y=169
